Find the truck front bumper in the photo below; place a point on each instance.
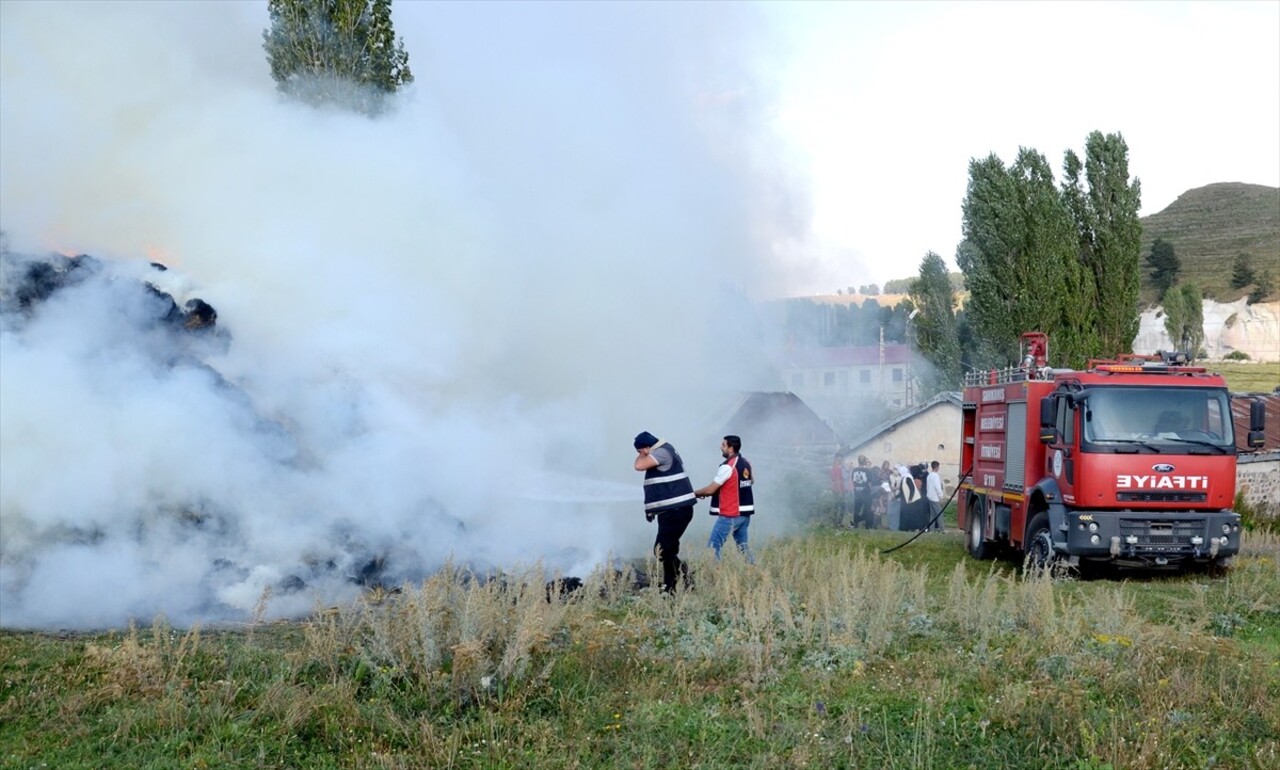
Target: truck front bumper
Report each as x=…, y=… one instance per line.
x=1152, y=538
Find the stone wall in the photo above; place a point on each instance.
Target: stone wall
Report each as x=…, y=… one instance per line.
x=1258, y=479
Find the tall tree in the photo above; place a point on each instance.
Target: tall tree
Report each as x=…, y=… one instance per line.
x=1021, y=262
x=1175, y=316
x=1164, y=264
x=1105, y=206
x=1242, y=272
x=1193, y=304
x=1264, y=284
x=335, y=52
x=934, y=328
x=1184, y=318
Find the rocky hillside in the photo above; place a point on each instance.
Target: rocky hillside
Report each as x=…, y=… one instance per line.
x=1229, y=327
x=1208, y=227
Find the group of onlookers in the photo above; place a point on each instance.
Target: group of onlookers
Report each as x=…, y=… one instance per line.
x=890, y=496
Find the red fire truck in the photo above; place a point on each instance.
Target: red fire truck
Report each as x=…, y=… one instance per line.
x=1130, y=462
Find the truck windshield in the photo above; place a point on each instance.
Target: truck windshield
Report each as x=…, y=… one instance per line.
x=1164, y=419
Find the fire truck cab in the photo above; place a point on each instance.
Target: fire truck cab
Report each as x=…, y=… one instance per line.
x=1130, y=462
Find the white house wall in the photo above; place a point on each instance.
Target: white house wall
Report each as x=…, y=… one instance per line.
x=931, y=435
x=888, y=382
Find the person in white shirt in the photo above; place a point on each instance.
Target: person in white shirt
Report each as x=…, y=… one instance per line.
x=933, y=491
x=732, y=498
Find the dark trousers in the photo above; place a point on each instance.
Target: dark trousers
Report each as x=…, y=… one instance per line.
x=862, y=510
x=671, y=526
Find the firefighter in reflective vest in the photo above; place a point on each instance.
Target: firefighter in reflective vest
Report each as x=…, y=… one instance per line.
x=732, y=500
x=668, y=497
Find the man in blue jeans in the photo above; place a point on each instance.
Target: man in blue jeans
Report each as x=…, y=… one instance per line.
x=732, y=501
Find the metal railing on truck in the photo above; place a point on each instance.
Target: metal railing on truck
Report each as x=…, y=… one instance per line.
x=997, y=376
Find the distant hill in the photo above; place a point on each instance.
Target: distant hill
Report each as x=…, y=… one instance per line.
x=1208, y=227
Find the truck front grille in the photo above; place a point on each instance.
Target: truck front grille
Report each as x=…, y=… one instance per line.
x=1161, y=497
x=1161, y=534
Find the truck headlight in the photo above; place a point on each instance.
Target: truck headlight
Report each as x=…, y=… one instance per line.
x=1226, y=528
x=1095, y=539
x=1093, y=526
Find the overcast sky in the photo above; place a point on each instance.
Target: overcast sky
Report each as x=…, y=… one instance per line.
x=887, y=102
x=844, y=130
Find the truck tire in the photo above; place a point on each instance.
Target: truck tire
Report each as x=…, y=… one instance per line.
x=1038, y=547
x=976, y=535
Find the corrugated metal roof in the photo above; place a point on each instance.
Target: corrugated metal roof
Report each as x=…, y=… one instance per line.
x=1240, y=418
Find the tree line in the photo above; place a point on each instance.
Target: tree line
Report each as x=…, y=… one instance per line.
x=1062, y=258
x=809, y=323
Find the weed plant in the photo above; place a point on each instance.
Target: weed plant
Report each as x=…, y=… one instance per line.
x=824, y=654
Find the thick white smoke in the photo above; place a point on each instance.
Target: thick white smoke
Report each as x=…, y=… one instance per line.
x=445, y=324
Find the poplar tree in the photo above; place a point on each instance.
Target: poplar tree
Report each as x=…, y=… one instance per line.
x=1021, y=263
x=987, y=257
x=1174, y=315
x=1184, y=318
x=933, y=330
x=335, y=52
x=1105, y=206
x=1193, y=323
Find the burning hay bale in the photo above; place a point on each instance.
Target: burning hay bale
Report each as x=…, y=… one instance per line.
x=27, y=282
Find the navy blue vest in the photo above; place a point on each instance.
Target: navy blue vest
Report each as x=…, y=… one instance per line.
x=670, y=489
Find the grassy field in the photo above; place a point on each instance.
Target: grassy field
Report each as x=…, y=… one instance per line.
x=1248, y=377
x=826, y=654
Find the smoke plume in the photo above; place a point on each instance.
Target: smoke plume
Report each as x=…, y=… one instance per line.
x=437, y=330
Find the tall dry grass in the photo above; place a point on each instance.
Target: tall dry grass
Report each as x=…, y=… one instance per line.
x=1081, y=663
x=823, y=653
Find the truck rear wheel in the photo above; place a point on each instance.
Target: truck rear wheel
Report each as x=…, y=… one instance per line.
x=976, y=512
x=1038, y=546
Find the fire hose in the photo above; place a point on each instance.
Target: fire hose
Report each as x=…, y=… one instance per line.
x=934, y=520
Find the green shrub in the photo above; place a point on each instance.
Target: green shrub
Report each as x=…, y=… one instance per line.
x=1236, y=355
x=1255, y=517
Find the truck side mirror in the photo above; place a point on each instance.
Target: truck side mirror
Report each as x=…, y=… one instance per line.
x=1049, y=420
x=1257, y=423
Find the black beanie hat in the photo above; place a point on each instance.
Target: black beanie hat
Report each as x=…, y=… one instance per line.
x=645, y=439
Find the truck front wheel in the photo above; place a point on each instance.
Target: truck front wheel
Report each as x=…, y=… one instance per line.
x=1039, y=543
x=976, y=511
